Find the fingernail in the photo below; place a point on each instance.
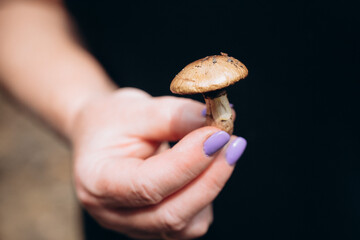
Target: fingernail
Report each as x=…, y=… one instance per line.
x=215, y=142
x=191, y=118
x=203, y=112
x=235, y=150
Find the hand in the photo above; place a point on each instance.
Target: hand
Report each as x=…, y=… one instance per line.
x=129, y=179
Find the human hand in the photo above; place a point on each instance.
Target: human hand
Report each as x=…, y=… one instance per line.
x=131, y=182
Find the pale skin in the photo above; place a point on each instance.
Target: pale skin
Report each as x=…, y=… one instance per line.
x=126, y=176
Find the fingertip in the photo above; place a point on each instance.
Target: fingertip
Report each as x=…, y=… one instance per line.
x=215, y=142
x=235, y=150
x=203, y=112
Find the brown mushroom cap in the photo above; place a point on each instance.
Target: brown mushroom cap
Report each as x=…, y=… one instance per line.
x=208, y=74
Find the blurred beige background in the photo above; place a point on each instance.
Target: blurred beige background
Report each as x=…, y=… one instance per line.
x=37, y=200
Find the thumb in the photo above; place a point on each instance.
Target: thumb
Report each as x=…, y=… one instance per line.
x=173, y=118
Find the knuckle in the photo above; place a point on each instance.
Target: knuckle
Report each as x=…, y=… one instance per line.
x=166, y=99
x=86, y=202
x=92, y=181
x=85, y=199
x=133, y=92
x=172, y=222
x=201, y=229
x=214, y=184
x=145, y=193
x=106, y=225
x=211, y=218
x=106, y=221
x=100, y=187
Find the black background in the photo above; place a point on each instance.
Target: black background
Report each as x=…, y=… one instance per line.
x=300, y=175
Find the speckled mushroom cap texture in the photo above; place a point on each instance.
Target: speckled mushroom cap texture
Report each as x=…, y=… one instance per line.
x=208, y=74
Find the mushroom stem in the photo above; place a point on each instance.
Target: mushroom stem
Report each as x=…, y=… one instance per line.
x=218, y=111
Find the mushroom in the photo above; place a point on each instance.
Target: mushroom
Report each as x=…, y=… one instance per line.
x=210, y=76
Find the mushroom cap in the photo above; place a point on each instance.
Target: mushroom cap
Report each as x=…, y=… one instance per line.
x=208, y=74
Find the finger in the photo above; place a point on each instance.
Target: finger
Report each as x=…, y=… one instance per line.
x=207, y=186
x=174, y=213
x=172, y=119
x=163, y=147
x=197, y=227
x=108, y=220
x=133, y=182
x=165, y=173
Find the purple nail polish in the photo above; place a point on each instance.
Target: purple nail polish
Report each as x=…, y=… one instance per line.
x=203, y=112
x=231, y=105
x=235, y=150
x=215, y=142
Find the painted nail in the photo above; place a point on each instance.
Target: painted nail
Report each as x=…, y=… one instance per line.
x=215, y=142
x=235, y=150
x=203, y=112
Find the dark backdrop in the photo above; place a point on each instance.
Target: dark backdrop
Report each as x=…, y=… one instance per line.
x=300, y=175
